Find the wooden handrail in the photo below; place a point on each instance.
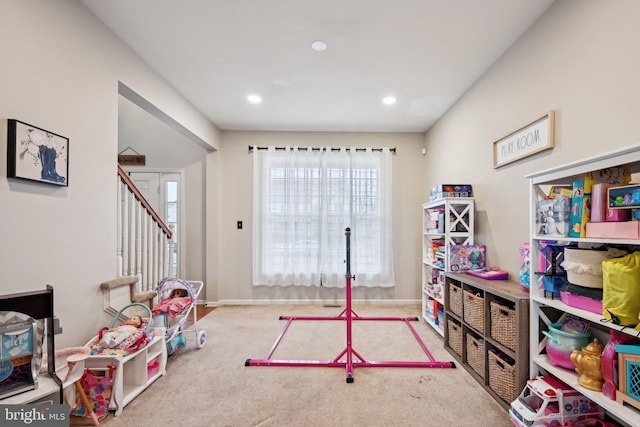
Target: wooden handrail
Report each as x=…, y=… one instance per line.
x=138, y=195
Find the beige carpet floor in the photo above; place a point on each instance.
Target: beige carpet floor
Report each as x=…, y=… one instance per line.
x=213, y=387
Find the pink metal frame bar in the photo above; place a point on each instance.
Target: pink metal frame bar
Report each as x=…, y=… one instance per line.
x=349, y=358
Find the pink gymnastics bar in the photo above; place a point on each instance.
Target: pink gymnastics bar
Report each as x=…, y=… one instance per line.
x=349, y=358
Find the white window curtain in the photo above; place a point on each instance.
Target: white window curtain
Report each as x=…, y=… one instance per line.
x=303, y=201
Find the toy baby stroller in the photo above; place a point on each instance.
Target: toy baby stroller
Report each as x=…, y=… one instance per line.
x=177, y=299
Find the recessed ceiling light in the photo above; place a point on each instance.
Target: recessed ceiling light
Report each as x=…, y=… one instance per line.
x=389, y=100
x=318, y=46
x=254, y=99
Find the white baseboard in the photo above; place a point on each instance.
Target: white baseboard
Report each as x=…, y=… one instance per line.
x=339, y=302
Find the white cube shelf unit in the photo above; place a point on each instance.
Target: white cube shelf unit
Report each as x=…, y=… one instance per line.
x=446, y=222
x=134, y=372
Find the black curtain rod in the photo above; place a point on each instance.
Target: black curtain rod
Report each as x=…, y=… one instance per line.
x=251, y=148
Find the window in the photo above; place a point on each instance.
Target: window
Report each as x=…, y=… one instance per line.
x=171, y=200
x=303, y=202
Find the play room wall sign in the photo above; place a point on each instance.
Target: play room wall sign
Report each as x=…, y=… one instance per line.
x=526, y=141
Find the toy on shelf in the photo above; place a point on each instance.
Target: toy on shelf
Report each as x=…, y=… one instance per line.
x=629, y=374
x=563, y=339
x=553, y=216
x=589, y=299
x=588, y=363
x=623, y=197
x=524, y=275
x=489, y=273
x=444, y=191
x=584, y=266
x=546, y=401
x=466, y=257
x=587, y=197
x=610, y=361
x=580, y=205
x=553, y=275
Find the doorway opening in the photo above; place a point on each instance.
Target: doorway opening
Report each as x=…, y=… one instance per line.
x=163, y=192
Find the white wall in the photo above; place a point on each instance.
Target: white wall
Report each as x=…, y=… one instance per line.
x=580, y=60
x=60, y=72
x=233, y=283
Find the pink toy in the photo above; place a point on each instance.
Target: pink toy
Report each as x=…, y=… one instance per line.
x=610, y=362
x=546, y=401
x=592, y=305
x=489, y=273
x=61, y=356
x=560, y=345
x=599, y=202
x=559, y=357
x=524, y=276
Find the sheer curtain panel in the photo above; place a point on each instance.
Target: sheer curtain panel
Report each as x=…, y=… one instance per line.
x=303, y=199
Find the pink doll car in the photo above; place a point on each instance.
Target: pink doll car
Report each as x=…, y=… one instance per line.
x=546, y=401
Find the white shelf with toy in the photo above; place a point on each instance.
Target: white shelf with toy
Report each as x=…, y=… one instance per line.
x=133, y=373
x=623, y=413
x=446, y=221
x=547, y=307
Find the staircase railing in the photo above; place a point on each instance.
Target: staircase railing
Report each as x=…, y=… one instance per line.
x=145, y=245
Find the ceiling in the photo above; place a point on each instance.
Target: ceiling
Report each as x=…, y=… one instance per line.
x=426, y=53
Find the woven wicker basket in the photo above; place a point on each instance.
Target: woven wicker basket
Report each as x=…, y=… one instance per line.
x=503, y=325
x=502, y=378
x=584, y=266
x=473, y=308
x=455, y=299
x=455, y=337
x=475, y=354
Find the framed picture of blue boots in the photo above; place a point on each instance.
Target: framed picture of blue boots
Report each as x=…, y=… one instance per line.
x=36, y=154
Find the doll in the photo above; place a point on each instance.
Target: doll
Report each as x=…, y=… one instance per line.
x=178, y=293
x=114, y=336
x=178, y=299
